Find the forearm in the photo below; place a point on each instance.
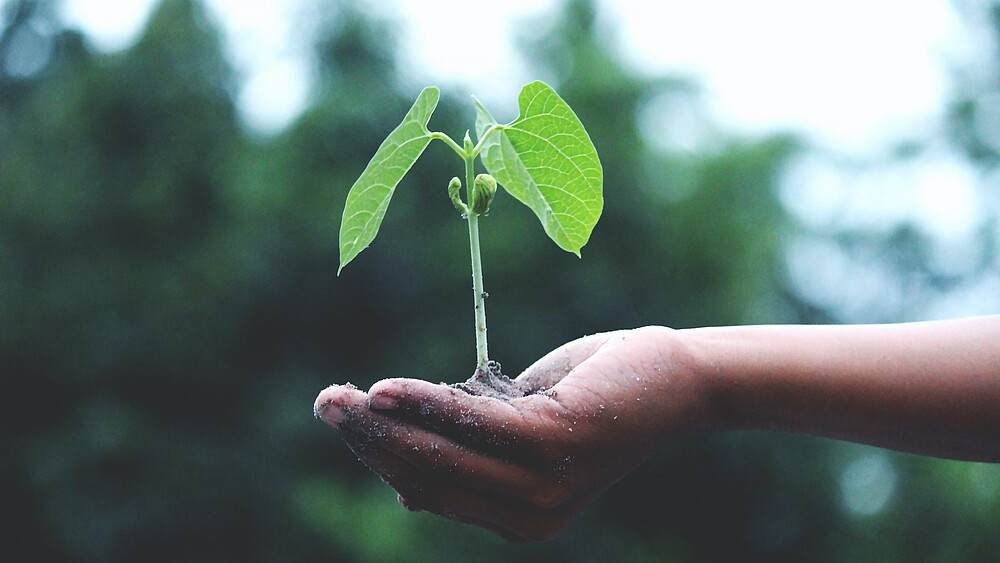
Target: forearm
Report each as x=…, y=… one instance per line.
x=931, y=388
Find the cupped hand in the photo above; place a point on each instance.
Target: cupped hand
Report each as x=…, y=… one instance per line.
x=597, y=407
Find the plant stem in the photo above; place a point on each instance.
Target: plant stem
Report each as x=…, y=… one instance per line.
x=450, y=142
x=482, y=353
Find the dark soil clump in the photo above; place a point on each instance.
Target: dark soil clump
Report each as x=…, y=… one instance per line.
x=493, y=383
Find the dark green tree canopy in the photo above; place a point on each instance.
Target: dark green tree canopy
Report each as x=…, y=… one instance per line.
x=170, y=307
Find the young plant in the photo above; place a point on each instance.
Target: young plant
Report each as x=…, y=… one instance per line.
x=544, y=158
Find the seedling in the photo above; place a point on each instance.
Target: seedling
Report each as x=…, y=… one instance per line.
x=544, y=158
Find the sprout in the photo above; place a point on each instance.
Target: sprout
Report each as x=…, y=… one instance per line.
x=453, y=192
x=484, y=189
x=544, y=158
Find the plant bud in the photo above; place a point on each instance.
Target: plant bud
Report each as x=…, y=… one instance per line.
x=484, y=189
x=453, y=192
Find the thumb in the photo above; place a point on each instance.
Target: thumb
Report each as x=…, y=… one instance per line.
x=557, y=364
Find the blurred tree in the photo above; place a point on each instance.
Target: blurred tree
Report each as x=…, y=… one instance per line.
x=169, y=293
x=904, y=268
x=975, y=130
x=123, y=283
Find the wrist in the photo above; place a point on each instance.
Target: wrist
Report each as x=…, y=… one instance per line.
x=710, y=352
x=684, y=381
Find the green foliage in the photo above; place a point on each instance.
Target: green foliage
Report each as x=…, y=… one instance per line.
x=369, y=196
x=544, y=158
x=547, y=161
x=170, y=309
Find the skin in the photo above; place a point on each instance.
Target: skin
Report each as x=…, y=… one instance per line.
x=525, y=468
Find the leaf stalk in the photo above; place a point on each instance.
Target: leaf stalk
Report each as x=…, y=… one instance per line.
x=482, y=351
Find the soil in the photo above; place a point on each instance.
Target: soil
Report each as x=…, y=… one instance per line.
x=494, y=384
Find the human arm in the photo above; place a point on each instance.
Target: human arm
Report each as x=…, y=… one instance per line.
x=930, y=388
x=524, y=468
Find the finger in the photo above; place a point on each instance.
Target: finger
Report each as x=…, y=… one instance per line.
x=465, y=467
x=557, y=364
x=345, y=408
x=366, y=432
x=337, y=402
x=482, y=423
x=410, y=483
x=428, y=492
x=419, y=491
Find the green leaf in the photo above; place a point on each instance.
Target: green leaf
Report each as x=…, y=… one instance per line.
x=369, y=196
x=546, y=160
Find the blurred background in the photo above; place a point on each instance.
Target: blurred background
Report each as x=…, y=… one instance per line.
x=172, y=175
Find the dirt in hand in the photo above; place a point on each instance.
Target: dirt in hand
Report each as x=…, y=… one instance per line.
x=493, y=383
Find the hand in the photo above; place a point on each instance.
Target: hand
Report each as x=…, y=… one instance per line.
x=525, y=468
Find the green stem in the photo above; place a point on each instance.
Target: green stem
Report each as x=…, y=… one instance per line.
x=482, y=354
x=450, y=142
x=468, y=152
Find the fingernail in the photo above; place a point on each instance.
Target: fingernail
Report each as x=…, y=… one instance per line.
x=382, y=402
x=329, y=413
